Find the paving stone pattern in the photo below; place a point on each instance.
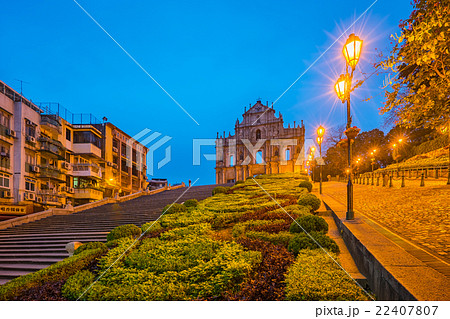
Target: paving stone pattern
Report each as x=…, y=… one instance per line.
x=418, y=214
x=36, y=245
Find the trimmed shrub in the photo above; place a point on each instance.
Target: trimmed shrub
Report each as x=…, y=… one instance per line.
x=239, y=182
x=124, y=231
x=315, y=276
x=310, y=200
x=174, y=208
x=151, y=227
x=191, y=203
x=90, y=245
x=192, y=230
x=309, y=223
x=220, y=190
x=77, y=284
x=303, y=241
x=307, y=185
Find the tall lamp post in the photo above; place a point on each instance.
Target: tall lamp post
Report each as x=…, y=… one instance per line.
x=343, y=87
x=320, y=134
x=445, y=129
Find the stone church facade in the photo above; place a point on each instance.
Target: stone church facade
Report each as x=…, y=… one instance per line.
x=261, y=145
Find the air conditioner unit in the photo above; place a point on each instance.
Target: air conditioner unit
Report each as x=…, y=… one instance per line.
x=66, y=165
x=115, y=166
x=31, y=139
x=109, y=164
x=115, y=149
x=31, y=196
x=10, y=132
x=71, y=190
x=35, y=168
x=64, y=188
x=3, y=154
x=28, y=122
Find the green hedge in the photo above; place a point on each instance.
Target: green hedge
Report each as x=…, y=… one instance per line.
x=191, y=203
x=307, y=185
x=303, y=241
x=315, y=276
x=310, y=200
x=174, y=208
x=90, y=245
x=309, y=223
x=220, y=190
x=60, y=271
x=124, y=231
x=281, y=238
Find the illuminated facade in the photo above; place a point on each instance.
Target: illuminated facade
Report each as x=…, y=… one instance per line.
x=261, y=145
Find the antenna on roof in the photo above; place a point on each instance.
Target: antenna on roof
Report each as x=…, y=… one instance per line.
x=21, y=84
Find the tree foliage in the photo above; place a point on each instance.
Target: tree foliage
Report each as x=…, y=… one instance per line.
x=420, y=91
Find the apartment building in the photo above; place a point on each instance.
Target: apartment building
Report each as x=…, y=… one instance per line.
x=50, y=157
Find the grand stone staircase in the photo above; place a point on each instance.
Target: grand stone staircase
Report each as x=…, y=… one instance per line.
x=36, y=245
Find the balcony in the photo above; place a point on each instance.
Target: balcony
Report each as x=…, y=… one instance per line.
x=49, y=197
x=87, y=148
x=89, y=193
x=51, y=146
x=51, y=122
x=51, y=173
x=87, y=170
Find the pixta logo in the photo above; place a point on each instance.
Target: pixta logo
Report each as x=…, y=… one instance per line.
x=150, y=140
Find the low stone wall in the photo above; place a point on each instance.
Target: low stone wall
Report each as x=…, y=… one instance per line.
x=67, y=211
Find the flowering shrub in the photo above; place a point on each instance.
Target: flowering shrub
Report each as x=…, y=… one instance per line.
x=90, y=245
x=282, y=238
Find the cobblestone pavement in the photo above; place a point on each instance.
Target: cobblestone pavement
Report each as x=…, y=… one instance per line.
x=419, y=214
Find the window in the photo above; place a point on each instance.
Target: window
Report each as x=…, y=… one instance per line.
x=232, y=160
x=288, y=154
x=258, y=134
x=259, y=158
x=30, y=130
x=4, y=119
x=86, y=137
x=30, y=185
x=4, y=180
x=68, y=134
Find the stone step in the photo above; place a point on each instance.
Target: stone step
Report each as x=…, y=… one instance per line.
x=27, y=266
x=52, y=235
x=32, y=243
x=38, y=254
x=58, y=249
x=25, y=260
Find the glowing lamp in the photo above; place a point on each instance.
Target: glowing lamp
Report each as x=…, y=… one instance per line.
x=341, y=87
x=320, y=131
x=352, y=50
x=319, y=140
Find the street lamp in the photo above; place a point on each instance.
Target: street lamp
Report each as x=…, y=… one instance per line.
x=352, y=52
x=320, y=134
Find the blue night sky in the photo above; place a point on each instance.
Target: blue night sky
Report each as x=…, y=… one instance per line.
x=213, y=57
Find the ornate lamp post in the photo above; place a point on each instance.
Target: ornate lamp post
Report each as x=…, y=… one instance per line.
x=352, y=52
x=320, y=134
